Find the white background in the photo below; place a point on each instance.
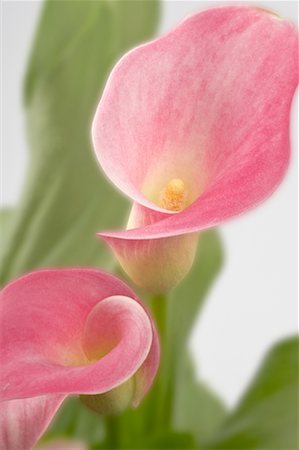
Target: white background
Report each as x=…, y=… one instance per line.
x=254, y=301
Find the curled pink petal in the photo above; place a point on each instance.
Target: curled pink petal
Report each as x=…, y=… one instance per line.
x=194, y=126
x=68, y=331
x=57, y=335
x=145, y=375
x=22, y=422
x=113, y=321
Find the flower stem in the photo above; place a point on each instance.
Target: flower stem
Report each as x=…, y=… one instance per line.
x=161, y=413
x=111, y=432
x=159, y=309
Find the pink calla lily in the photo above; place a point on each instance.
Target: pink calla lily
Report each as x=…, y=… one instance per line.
x=194, y=128
x=67, y=332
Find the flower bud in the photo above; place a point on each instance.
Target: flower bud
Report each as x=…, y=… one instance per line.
x=111, y=402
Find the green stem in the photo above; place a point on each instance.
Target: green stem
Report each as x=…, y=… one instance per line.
x=159, y=310
x=161, y=410
x=111, y=432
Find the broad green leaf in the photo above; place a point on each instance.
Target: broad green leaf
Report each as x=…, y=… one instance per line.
x=268, y=415
x=197, y=409
x=6, y=216
x=171, y=440
x=66, y=198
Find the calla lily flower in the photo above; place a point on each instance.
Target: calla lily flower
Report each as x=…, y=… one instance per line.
x=194, y=128
x=68, y=332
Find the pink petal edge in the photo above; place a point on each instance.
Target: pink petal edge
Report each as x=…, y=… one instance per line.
x=44, y=315
x=22, y=422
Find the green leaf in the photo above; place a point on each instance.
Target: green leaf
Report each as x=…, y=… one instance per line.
x=6, y=217
x=267, y=416
x=66, y=198
x=171, y=440
x=197, y=409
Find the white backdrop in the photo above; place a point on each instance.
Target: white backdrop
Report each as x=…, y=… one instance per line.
x=254, y=301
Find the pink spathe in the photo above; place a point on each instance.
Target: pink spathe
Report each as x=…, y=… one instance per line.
x=207, y=106
x=23, y=421
x=66, y=332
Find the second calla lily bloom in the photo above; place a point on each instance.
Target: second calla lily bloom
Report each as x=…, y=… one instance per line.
x=194, y=128
x=67, y=332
